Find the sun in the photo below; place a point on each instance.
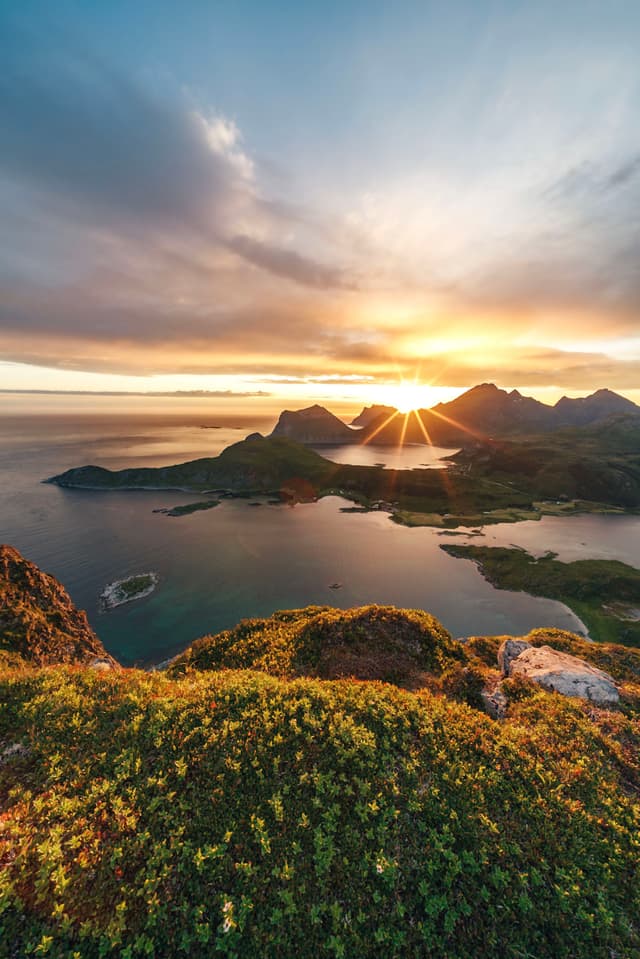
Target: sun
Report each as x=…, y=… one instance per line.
x=409, y=395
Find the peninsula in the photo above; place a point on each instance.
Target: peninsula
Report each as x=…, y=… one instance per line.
x=585, y=468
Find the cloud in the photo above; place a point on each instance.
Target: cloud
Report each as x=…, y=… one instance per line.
x=103, y=154
x=290, y=265
x=137, y=236
x=187, y=394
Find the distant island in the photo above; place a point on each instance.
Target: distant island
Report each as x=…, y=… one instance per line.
x=185, y=509
x=499, y=478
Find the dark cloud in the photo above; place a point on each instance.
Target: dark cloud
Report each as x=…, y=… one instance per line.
x=589, y=178
x=106, y=146
x=289, y=264
x=90, y=146
x=622, y=174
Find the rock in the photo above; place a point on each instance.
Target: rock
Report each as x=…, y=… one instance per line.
x=102, y=665
x=509, y=650
x=11, y=751
x=561, y=673
x=495, y=702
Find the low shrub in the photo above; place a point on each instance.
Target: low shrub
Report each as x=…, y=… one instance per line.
x=235, y=814
x=369, y=642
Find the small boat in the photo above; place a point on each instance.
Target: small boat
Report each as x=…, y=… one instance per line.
x=335, y=585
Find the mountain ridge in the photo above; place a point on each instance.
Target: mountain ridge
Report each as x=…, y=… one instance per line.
x=484, y=410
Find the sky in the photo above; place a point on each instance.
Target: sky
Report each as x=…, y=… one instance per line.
x=320, y=200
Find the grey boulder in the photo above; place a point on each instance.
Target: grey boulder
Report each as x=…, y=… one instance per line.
x=510, y=650
x=562, y=673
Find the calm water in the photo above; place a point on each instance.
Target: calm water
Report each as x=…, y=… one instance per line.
x=237, y=560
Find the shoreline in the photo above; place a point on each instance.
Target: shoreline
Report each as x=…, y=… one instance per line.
x=407, y=518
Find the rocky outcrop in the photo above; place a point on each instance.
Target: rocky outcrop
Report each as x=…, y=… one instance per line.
x=373, y=414
x=558, y=672
x=313, y=425
x=510, y=650
x=582, y=410
x=39, y=621
x=495, y=702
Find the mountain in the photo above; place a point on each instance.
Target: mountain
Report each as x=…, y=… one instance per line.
x=38, y=620
x=313, y=425
x=581, y=411
x=254, y=464
x=371, y=414
x=487, y=411
x=492, y=410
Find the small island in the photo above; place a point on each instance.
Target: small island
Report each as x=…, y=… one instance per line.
x=127, y=590
x=184, y=509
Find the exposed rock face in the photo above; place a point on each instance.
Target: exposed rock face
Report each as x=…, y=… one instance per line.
x=562, y=673
x=312, y=425
x=372, y=414
x=578, y=411
x=510, y=650
x=38, y=619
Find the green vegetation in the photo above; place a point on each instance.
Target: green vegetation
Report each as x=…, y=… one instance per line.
x=576, y=470
x=605, y=594
x=185, y=508
x=370, y=642
x=597, y=464
x=208, y=811
x=136, y=584
x=237, y=814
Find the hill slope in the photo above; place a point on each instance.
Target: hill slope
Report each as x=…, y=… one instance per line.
x=38, y=620
x=371, y=642
x=371, y=414
x=239, y=814
x=253, y=464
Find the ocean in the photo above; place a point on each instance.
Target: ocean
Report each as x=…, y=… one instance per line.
x=238, y=560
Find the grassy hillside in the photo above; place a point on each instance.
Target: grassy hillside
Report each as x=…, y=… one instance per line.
x=253, y=464
x=599, y=463
x=213, y=811
x=370, y=642
x=605, y=594
x=232, y=813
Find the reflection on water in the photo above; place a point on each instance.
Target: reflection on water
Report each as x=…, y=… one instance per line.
x=233, y=561
x=412, y=456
